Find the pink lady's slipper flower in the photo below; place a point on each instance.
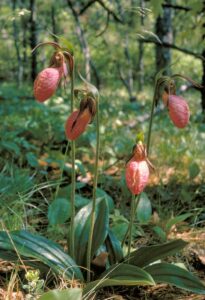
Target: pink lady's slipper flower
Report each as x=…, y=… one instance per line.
x=46, y=83
x=78, y=120
x=76, y=124
x=178, y=111
x=137, y=170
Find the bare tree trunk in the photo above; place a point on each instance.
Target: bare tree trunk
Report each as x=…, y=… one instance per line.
x=24, y=41
x=203, y=68
x=127, y=79
x=33, y=39
x=16, y=44
x=53, y=22
x=85, y=48
x=130, y=81
x=164, y=32
x=141, y=50
x=203, y=84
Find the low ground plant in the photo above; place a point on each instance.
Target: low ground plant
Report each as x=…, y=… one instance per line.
x=96, y=257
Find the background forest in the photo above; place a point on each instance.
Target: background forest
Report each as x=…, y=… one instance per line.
x=119, y=46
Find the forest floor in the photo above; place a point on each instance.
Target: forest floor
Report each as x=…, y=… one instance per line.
x=32, y=152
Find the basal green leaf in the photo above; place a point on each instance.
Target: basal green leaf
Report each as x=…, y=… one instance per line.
x=13, y=257
x=114, y=248
x=121, y=274
x=11, y=146
x=82, y=228
x=144, y=209
x=59, y=211
x=35, y=246
x=69, y=294
x=160, y=232
x=32, y=159
x=102, y=194
x=171, y=274
x=81, y=201
x=147, y=255
x=176, y=220
x=193, y=170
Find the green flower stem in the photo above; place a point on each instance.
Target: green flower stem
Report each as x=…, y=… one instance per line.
x=61, y=175
x=92, y=221
x=150, y=124
x=128, y=229
x=71, y=239
x=132, y=217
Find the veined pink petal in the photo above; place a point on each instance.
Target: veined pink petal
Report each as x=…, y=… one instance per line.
x=137, y=175
x=46, y=83
x=77, y=123
x=178, y=111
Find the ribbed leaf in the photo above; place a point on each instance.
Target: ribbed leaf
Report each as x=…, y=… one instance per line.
x=176, y=220
x=35, y=246
x=121, y=274
x=69, y=294
x=13, y=257
x=113, y=248
x=144, y=209
x=147, y=255
x=59, y=211
x=82, y=229
x=171, y=274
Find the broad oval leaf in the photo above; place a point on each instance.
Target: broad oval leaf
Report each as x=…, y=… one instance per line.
x=120, y=274
x=81, y=201
x=144, y=209
x=69, y=294
x=59, y=211
x=149, y=254
x=102, y=194
x=171, y=274
x=82, y=229
x=194, y=170
x=35, y=246
x=160, y=232
x=113, y=248
x=176, y=220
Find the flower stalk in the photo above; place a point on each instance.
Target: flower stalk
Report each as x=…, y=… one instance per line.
x=132, y=218
x=71, y=238
x=93, y=214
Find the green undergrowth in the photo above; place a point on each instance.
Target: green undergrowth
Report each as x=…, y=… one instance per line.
x=32, y=150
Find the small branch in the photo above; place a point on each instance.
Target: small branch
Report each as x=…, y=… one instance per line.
x=179, y=7
x=111, y=12
x=86, y=6
x=116, y=18
x=167, y=45
x=122, y=77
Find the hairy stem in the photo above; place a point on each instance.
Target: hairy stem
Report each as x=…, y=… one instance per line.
x=132, y=217
x=89, y=249
x=128, y=229
x=61, y=175
x=150, y=122
x=71, y=240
